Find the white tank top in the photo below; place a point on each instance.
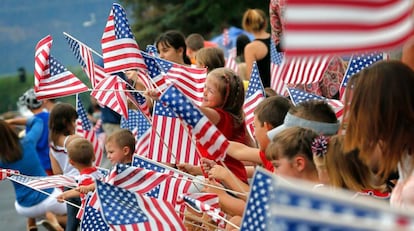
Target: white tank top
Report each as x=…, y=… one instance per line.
x=62, y=158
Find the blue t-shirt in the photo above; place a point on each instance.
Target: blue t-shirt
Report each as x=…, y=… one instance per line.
x=42, y=146
x=28, y=165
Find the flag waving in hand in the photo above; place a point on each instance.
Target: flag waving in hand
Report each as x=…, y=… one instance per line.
x=211, y=142
x=52, y=79
x=119, y=49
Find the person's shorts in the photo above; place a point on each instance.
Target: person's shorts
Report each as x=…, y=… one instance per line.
x=49, y=204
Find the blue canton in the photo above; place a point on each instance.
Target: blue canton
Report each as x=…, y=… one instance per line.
x=86, y=124
x=255, y=84
x=122, y=29
x=55, y=66
x=119, y=206
x=358, y=63
x=74, y=45
x=257, y=208
x=178, y=102
x=298, y=96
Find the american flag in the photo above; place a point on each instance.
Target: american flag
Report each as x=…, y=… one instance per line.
x=326, y=27
x=286, y=219
x=152, y=50
x=85, y=129
x=84, y=56
x=356, y=64
x=189, y=80
x=171, y=141
x=110, y=92
x=4, y=173
x=93, y=220
x=255, y=94
x=304, y=70
x=205, y=203
x=57, y=82
x=211, y=142
x=45, y=182
x=136, y=98
x=42, y=52
x=170, y=188
x=126, y=210
x=139, y=125
x=119, y=49
x=299, y=196
x=256, y=212
x=135, y=179
x=231, y=60
x=298, y=96
x=226, y=37
x=276, y=58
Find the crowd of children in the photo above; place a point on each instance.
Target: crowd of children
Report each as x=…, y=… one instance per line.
x=305, y=141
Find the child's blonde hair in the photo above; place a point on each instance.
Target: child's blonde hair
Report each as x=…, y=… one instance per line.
x=345, y=169
x=80, y=150
x=210, y=57
x=123, y=138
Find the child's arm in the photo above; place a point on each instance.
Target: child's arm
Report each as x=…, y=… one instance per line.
x=229, y=204
x=227, y=178
x=86, y=188
x=243, y=152
x=191, y=169
x=68, y=194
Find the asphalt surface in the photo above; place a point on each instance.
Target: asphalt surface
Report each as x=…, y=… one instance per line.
x=9, y=219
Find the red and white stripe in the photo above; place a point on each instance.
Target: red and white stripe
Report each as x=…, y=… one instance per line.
x=304, y=70
x=346, y=26
x=110, y=92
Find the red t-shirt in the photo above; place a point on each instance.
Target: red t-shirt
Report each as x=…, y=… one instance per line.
x=266, y=163
x=226, y=126
x=87, y=177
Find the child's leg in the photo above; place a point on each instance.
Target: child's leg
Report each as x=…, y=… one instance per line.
x=31, y=224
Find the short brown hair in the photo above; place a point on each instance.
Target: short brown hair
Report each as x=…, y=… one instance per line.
x=315, y=110
x=195, y=41
x=273, y=110
x=80, y=150
x=123, y=138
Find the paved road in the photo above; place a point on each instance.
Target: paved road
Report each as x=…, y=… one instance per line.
x=9, y=219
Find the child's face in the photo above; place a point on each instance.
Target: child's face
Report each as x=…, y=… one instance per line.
x=212, y=97
x=116, y=154
x=284, y=167
x=170, y=53
x=260, y=133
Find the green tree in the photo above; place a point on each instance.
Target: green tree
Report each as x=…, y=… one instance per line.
x=208, y=18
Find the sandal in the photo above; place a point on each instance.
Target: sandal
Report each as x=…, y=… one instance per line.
x=32, y=228
x=49, y=226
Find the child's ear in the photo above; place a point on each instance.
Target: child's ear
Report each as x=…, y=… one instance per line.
x=126, y=150
x=300, y=163
x=181, y=50
x=267, y=126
